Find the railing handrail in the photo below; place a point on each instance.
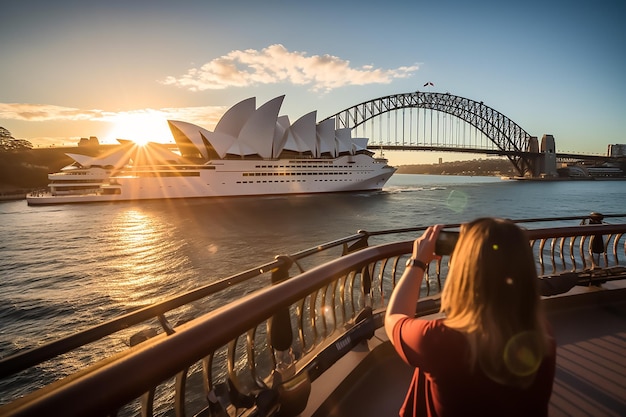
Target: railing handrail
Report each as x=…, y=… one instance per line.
x=26, y=359
x=128, y=377
x=585, y=230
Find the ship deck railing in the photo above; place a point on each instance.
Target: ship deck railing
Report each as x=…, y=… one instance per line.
x=295, y=320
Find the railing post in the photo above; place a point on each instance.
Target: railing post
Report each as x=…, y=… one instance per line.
x=358, y=245
x=596, y=244
x=280, y=332
x=366, y=285
x=294, y=396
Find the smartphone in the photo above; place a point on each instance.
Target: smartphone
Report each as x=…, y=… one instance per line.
x=446, y=241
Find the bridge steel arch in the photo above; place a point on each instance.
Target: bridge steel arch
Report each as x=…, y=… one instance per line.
x=508, y=136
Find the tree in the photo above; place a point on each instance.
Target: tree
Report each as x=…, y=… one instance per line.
x=9, y=143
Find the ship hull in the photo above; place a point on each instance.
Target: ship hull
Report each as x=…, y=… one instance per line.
x=232, y=178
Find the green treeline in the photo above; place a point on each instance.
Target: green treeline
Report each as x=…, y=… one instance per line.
x=29, y=168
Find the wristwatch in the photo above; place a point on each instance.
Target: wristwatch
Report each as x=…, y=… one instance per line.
x=416, y=262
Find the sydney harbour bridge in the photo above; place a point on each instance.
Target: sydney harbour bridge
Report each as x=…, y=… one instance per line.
x=444, y=122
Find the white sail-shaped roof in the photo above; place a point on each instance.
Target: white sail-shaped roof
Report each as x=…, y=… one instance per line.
x=153, y=154
x=116, y=159
x=280, y=135
x=258, y=132
x=344, y=140
x=149, y=154
x=221, y=142
x=236, y=117
x=84, y=160
x=190, y=133
x=326, y=137
x=360, y=144
x=241, y=149
x=302, y=134
x=293, y=143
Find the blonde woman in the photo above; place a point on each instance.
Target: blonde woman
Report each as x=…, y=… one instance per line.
x=491, y=353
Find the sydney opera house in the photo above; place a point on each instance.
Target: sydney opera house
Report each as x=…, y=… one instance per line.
x=245, y=131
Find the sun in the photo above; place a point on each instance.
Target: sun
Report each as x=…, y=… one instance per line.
x=141, y=127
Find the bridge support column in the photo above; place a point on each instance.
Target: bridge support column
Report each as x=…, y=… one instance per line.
x=534, y=164
x=547, y=160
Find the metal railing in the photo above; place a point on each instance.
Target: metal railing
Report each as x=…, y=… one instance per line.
x=262, y=351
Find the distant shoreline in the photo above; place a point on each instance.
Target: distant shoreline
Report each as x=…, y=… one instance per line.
x=13, y=195
x=548, y=179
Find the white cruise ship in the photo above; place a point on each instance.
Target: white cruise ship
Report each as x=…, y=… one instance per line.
x=252, y=151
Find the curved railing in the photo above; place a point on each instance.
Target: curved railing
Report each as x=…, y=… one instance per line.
x=264, y=349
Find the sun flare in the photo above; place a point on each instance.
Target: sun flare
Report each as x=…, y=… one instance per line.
x=141, y=128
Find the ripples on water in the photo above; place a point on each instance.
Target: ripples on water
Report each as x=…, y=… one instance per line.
x=66, y=268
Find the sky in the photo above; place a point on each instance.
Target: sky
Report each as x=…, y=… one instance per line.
x=120, y=69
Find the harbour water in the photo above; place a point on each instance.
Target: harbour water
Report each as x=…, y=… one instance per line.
x=66, y=268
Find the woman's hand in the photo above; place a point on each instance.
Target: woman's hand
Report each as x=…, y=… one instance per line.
x=403, y=300
x=424, y=246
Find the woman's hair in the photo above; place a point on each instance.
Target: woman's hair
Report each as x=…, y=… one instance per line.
x=491, y=295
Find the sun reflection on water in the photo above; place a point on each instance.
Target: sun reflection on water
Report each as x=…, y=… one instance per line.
x=142, y=251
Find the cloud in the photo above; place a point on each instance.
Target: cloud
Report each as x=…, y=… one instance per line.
x=275, y=64
x=46, y=112
x=204, y=115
